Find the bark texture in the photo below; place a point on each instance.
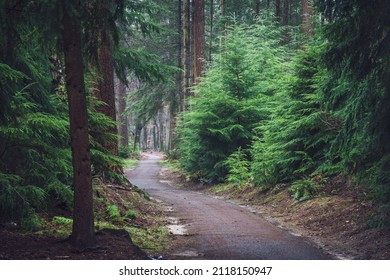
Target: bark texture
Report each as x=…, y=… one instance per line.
x=83, y=235
x=186, y=25
x=199, y=39
x=106, y=92
x=307, y=12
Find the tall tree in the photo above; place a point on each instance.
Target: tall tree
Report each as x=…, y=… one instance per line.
x=307, y=12
x=211, y=29
x=278, y=11
x=257, y=8
x=199, y=39
x=186, y=25
x=105, y=91
x=83, y=235
x=122, y=125
x=286, y=12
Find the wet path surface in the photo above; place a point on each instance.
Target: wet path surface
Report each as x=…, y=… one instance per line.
x=220, y=229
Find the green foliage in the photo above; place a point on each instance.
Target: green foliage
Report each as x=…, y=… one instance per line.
x=35, y=159
x=239, y=168
x=131, y=214
x=294, y=142
x=304, y=189
x=230, y=99
x=59, y=220
x=358, y=89
x=113, y=212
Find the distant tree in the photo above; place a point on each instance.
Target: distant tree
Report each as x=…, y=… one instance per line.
x=122, y=124
x=100, y=21
x=186, y=34
x=278, y=11
x=307, y=12
x=199, y=39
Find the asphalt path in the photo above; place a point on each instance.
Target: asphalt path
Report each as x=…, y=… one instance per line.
x=219, y=229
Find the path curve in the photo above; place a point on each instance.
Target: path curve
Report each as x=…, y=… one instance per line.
x=220, y=229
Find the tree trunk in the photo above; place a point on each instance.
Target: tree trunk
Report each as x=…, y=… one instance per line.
x=211, y=29
x=186, y=53
x=307, y=12
x=199, y=40
x=285, y=20
x=137, y=137
x=257, y=8
x=286, y=12
x=105, y=90
x=278, y=11
x=123, y=124
x=83, y=235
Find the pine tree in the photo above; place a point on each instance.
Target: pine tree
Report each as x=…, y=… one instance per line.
x=199, y=40
x=83, y=235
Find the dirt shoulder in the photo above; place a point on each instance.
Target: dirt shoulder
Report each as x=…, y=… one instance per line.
x=335, y=220
x=129, y=226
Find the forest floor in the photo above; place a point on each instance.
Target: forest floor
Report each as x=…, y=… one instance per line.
x=337, y=220
x=128, y=226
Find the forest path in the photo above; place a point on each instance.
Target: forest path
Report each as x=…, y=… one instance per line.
x=216, y=229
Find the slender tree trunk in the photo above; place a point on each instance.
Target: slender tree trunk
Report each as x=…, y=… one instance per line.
x=137, y=136
x=278, y=11
x=307, y=12
x=199, y=39
x=123, y=122
x=257, y=8
x=285, y=20
x=105, y=90
x=83, y=235
x=211, y=29
x=286, y=12
x=177, y=102
x=221, y=18
x=186, y=52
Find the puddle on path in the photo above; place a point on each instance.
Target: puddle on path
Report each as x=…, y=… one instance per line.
x=175, y=228
x=190, y=253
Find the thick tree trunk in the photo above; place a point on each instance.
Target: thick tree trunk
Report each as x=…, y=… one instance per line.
x=123, y=124
x=83, y=235
x=307, y=12
x=199, y=40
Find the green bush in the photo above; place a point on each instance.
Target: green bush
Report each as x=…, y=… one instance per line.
x=113, y=213
x=131, y=214
x=239, y=168
x=304, y=189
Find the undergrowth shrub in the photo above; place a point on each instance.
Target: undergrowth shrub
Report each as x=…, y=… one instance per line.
x=239, y=168
x=304, y=189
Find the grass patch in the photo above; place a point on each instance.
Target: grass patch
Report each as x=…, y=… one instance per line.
x=171, y=164
x=130, y=163
x=153, y=239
